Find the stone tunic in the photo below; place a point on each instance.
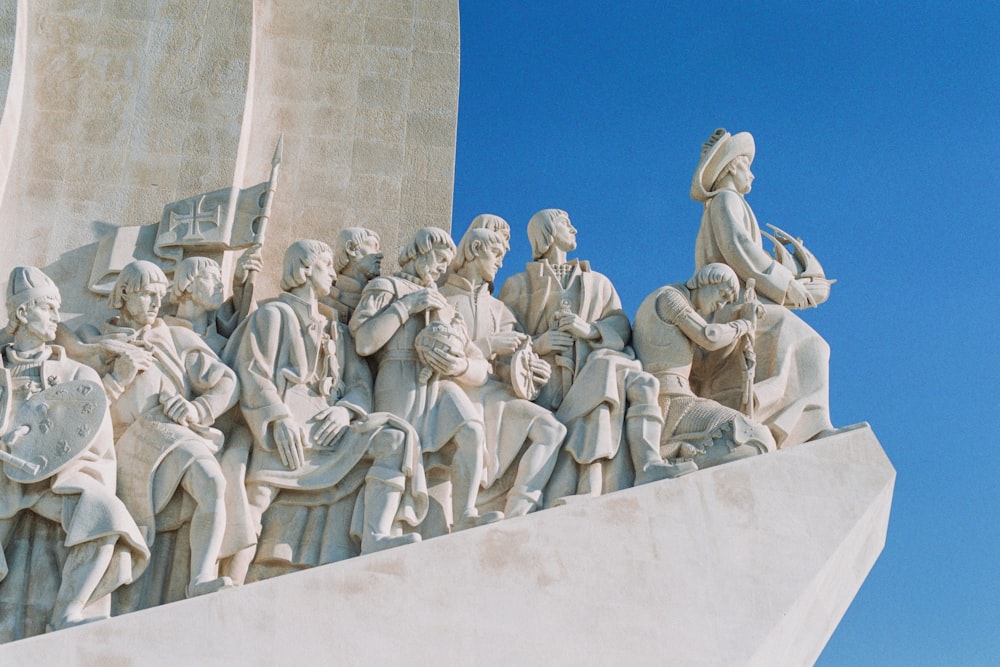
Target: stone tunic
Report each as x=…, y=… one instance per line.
x=154, y=452
x=588, y=383
x=293, y=362
x=286, y=354
x=437, y=408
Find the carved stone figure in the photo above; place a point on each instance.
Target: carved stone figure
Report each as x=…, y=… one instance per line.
x=167, y=388
x=197, y=290
x=307, y=397
x=792, y=374
x=670, y=325
x=513, y=424
x=356, y=259
x=424, y=366
x=598, y=388
x=55, y=420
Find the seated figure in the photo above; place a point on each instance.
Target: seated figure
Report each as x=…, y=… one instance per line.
x=598, y=388
x=514, y=426
x=105, y=549
x=792, y=373
x=307, y=398
x=424, y=365
x=167, y=388
x=670, y=325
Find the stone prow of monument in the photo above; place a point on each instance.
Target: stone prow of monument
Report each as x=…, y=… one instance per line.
x=750, y=563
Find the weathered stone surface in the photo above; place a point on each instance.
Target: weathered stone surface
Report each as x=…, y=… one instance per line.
x=116, y=108
x=753, y=562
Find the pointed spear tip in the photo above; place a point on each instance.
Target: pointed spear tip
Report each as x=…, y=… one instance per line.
x=276, y=160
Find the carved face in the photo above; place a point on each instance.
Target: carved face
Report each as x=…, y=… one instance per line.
x=206, y=288
x=431, y=265
x=488, y=262
x=711, y=298
x=742, y=176
x=563, y=234
x=40, y=319
x=369, y=259
x=141, y=308
x=322, y=275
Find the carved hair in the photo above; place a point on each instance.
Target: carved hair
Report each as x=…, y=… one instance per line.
x=356, y=235
x=473, y=244
x=299, y=257
x=135, y=277
x=714, y=274
x=423, y=241
x=493, y=223
x=187, y=271
x=540, y=230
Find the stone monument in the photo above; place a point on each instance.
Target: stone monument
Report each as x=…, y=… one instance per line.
x=293, y=403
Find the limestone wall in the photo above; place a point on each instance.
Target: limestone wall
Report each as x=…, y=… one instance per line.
x=128, y=105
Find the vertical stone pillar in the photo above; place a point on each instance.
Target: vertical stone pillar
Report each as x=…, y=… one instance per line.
x=112, y=109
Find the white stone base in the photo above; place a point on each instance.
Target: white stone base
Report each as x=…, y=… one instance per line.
x=753, y=562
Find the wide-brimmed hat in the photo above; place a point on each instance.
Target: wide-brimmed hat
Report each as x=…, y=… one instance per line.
x=720, y=149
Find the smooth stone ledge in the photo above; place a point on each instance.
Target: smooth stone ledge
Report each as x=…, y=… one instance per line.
x=754, y=562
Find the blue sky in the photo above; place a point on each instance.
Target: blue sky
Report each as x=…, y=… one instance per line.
x=877, y=142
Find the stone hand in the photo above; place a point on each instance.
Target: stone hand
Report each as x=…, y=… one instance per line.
x=446, y=362
x=576, y=326
x=180, y=410
x=334, y=419
x=425, y=299
x=798, y=297
x=506, y=342
x=553, y=341
x=251, y=260
x=289, y=438
x=130, y=363
x=541, y=371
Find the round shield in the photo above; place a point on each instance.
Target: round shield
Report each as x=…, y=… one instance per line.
x=62, y=422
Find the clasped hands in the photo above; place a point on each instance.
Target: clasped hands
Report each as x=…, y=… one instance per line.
x=291, y=437
x=568, y=327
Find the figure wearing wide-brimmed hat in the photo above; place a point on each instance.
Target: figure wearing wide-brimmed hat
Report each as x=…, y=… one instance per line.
x=791, y=384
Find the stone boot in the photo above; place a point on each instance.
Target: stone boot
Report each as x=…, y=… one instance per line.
x=383, y=491
x=642, y=432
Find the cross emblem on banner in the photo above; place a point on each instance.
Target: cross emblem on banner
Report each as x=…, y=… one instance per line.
x=194, y=220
